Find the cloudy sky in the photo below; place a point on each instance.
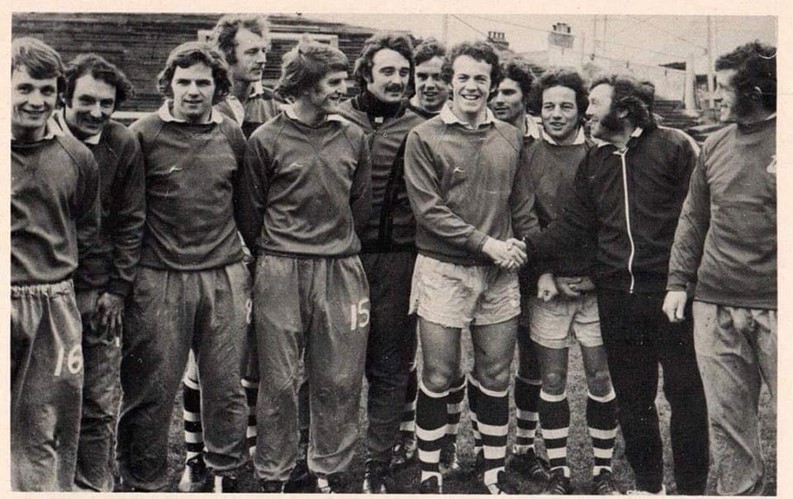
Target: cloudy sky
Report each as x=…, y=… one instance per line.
x=643, y=39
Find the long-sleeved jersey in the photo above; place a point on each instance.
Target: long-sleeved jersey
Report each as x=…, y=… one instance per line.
x=465, y=185
x=54, y=208
x=726, y=239
x=305, y=189
x=192, y=171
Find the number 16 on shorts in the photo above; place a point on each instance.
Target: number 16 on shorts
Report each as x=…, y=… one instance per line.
x=359, y=314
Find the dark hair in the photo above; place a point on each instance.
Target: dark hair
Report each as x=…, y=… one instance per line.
x=225, y=32
x=428, y=49
x=478, y=50
x=755, y=65
x=396, y=42
x=630, y=95
x=306, y=64
x=188, y=54
x=100, y=69
x=40, y=60
x=518, y=70
x=561, y=77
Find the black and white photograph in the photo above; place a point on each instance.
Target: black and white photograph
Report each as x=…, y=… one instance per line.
x=430, y=251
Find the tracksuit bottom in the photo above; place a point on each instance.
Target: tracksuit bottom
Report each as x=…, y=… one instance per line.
x=638, y=336
x=321, y=306
x=102, y=357
x=168, y=313
x=736, y=351
x=46, y=386
x=391, y=347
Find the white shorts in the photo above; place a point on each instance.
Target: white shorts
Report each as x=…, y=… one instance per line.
x=457, y=296
x=555, y=323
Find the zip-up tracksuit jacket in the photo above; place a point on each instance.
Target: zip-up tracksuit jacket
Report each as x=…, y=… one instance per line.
x=631, y=199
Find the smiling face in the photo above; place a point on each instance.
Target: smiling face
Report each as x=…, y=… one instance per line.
x=604, y=121
x=389, y=79
x=560, y=118
x=193, y=89
x=431, y=90
x=251, y=53
x=91, y=106
x=730, y=107
x=508, y=102
x=328, y=92
x=471, y=83
x=32, y=103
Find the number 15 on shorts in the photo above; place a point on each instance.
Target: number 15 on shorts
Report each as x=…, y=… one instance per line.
x=359, y=314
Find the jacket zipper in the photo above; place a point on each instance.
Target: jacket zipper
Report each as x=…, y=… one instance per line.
x=622, y=154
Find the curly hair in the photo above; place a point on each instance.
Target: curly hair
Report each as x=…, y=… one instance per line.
x=225, y=32
x=478, y=50
x=755, y=65
x=629, y=95
x=562, y=77
x=518, y=70
x=428, y=49
x=396, y=42
x=306, y=64
x=100, y=69
x=189, y=54
x=40, y=60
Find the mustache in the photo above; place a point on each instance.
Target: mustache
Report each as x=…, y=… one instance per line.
x=395, y=88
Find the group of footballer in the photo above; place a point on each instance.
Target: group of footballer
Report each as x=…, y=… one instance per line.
x=264, y=250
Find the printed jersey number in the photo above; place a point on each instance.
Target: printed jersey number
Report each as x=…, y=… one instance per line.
x=359, y=314
x=74, y=361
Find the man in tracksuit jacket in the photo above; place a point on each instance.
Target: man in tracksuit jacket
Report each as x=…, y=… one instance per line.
x=192, y=289
x=94, y=89
x=726, y=249
x=388, y=242
x=54, y=220
x=469, y=189
x=306, y=190
x=628, y=193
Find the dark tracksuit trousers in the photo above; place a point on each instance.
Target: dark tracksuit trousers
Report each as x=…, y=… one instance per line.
x=638, y=336
x=391, y=346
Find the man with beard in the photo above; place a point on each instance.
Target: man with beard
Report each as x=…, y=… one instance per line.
x=726, y=249
x=510, y=101
x=306, y=188
x=563, y=305
x=94, y=90
x=388, y=242
x=192, y=289
x=54, y=221
x=627, y=194
x=469, y=190
x=242, y=38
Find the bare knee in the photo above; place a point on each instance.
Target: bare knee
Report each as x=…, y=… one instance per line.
x=493, y=377
x=438, y=379
x=598, y=380
x=554, y=381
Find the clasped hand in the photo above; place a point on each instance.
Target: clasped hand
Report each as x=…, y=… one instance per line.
x=508, y=255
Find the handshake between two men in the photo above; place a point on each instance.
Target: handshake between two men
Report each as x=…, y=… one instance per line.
x=511, y=255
